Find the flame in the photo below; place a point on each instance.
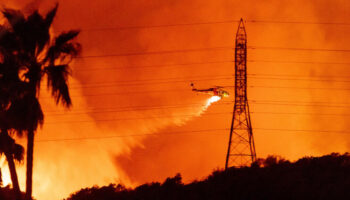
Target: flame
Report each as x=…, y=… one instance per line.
x=72, y=160
x=6, y=179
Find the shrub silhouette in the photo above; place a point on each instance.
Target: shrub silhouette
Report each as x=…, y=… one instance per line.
x=326, y=177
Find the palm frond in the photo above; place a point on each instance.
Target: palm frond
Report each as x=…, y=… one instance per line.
x=57, y=79
x=63, y=47
x=37, y=33
x=18, y=152
x=25, y=113
x=10, y=85
x=15, y=18
x=8, y=41
x=71, y=49
x=3, y=31
x=34, y=75
x=50, y=16
x=66, y=37
x=4, y=142
x=8, y=144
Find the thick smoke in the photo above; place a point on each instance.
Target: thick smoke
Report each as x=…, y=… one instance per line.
x=70, y=153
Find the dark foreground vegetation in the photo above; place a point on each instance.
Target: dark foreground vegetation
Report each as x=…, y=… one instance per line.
x=326, y=177
x=7, y=193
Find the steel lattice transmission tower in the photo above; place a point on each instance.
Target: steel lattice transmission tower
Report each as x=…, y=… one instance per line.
x=241, y=148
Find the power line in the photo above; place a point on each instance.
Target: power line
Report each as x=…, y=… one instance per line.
x=119, y=28
x=147, y=108
x=182, y=90
x=154, y=66
x=298, y=22
x=311, y=102
x=331, y=78
x=308, y=105
x=193, y=115
x=304, y=130
x=193, y=78
x=299, y=79
x=132, y=118
x=186, y=132
x=130, y=135
x=151, y=81
x=224, y=76
x=141, y=108
x=300, y=62
x=298, y=49
x=206, y=114
x=125, y=93
x=159, y=52
x=128, y=109
x=158, y=26
x=296, y=113
x=204, y=63
x=211, y=49
x=301, y=88
x=222, y=102
x=187, y=79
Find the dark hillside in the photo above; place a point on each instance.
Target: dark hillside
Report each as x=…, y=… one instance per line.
x=326, y=177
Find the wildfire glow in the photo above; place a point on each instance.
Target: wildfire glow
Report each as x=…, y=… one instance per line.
x=82, y=146
x=6, y=179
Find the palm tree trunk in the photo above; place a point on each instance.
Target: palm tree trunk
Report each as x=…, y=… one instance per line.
x=30, y=148
x=12, y=167
x=13, y=173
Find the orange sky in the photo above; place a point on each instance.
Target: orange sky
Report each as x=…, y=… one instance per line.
x=108, y=89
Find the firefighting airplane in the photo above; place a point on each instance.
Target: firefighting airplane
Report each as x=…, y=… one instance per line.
x=214, y=91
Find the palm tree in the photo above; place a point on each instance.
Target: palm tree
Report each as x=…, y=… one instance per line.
x=10, y=89
x=12, y=151
x=37, y=55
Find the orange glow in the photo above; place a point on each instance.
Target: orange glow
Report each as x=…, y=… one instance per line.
x=134, y=118
x=6, y=179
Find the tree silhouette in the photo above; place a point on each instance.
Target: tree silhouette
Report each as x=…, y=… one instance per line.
x=12, y=151
x=326, y=177
x=0, y=178
x=11, y=88
x=35, y=54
